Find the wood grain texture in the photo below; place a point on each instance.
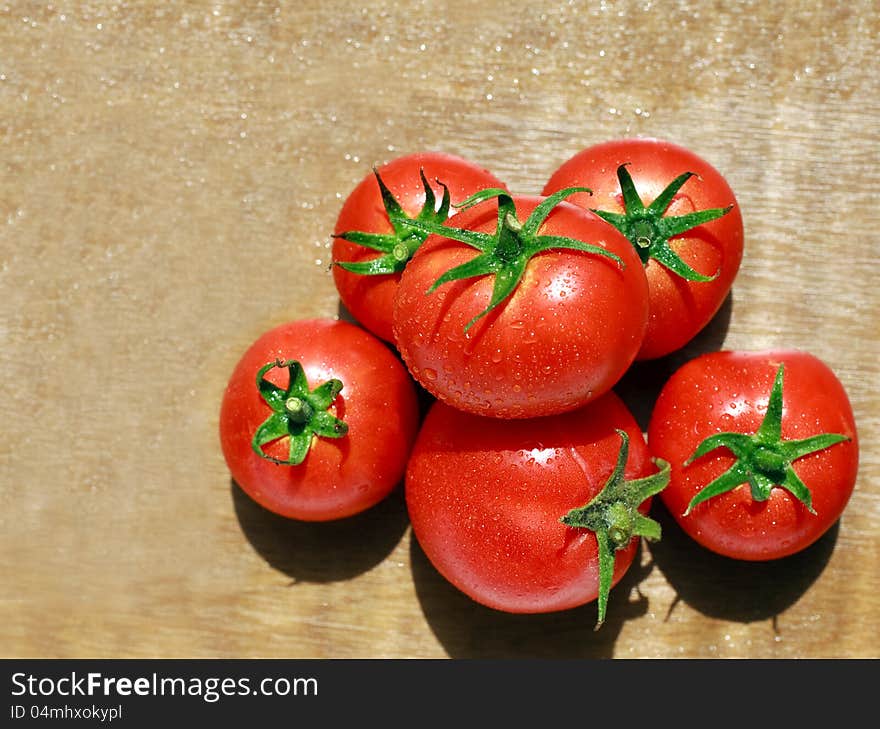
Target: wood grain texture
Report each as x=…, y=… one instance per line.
x=171, y=174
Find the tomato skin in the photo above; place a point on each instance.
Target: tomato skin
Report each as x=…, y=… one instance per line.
x=485, y=496
x=728, y=392
x=679, y=309
x=564, y=337
x=339, y=477
x=370, y=299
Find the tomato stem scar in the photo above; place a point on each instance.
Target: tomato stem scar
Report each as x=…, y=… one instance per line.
x=297, y=410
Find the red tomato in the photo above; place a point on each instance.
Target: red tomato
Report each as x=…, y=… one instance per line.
x=563, y=336
x=679, y=308
x=773, y=469
x=364, y=412
x=486, y=497
x=387, y=246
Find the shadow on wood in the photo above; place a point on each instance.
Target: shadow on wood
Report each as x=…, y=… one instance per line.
x=467, y=629
x=731, y=589
x=322, y=551
x=642, y=383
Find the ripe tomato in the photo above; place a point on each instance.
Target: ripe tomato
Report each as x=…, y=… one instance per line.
x=763, y=450
x=497, y=505
x=335, y=440
x=688, y=233
x=541, y=318
x=371, y=246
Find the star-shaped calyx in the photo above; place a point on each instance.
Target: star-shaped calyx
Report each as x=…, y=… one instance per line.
x=505, y=253
x=613, y=516
x=298, y=413
x=763, y=460
x=649, y=230
x=397, y=247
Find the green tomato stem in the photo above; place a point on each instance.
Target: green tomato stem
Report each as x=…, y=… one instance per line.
x=613, y=516
x=649, y=229
x=506, y=253
x=763, y=460
x=398, y=247
x=298, y=413
x=298, y=410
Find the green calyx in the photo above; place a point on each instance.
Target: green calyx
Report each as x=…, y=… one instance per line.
x=763, y=460
x=649, y=230
x=397, y=247
x=505, y=253
x=613, y=516
x=298, y=413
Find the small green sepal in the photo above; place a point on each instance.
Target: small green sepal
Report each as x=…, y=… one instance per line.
x=613, y=516
x=649, y=230
x=505, y=253
x=763, y=460
x=298, y=413
x=398, y=247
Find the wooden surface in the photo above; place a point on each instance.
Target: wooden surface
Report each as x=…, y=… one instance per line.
x=171, y=174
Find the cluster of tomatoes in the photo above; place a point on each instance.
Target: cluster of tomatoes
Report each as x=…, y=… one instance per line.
x=528, y=481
